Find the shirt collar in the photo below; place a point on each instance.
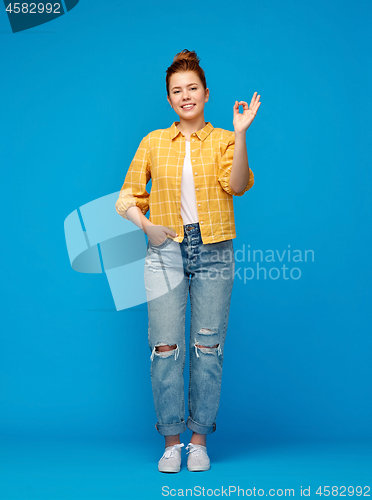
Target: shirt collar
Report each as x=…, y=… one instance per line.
x=202, y=133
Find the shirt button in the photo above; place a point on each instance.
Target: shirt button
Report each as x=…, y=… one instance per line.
x=193, y=160
x=201, y=222
x=198, y=204
x=196, y=173
x=197, y=189
x=193, y=139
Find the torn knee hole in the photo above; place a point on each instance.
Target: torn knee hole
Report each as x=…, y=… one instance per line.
x=165, y=351
x=162, y=347
x=206, y=349
x=208, y=331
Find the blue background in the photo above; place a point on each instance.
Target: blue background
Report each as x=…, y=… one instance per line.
x=77, y=96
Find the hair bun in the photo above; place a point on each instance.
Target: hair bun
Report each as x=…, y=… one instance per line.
x=188, y=55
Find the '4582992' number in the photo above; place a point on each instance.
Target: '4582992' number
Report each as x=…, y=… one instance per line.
x=33, y=8
x=342, y=491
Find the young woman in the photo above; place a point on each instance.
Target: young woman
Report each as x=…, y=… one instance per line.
x=196, y=170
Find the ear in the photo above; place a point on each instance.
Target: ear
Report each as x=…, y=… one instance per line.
x=206, y=95
x=169, y=101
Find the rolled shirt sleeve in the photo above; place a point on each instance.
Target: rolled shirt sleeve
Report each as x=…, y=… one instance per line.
x=133, y=191
x=226, y=160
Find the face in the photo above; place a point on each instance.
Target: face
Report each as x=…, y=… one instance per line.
x=187, y=94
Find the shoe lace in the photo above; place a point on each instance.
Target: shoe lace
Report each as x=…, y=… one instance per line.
x=169, y=452
x=193, y=448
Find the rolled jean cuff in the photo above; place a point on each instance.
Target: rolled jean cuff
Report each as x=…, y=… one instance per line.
x=199, y=428
x=170, y=429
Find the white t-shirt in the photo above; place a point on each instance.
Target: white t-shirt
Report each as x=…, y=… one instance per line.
x=189, y=211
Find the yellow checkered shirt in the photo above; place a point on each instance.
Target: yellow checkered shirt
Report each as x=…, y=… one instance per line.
x=160, y=156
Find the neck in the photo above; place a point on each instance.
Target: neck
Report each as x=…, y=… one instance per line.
x=188, y=127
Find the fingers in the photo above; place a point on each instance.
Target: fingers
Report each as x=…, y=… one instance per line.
x=236, y=108
x=253, y=106
x=254, y=98
x=255, y=103
x=257, y=100
x=240, y=103
x=171, y=231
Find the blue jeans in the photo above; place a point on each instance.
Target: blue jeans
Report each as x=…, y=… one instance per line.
x=172, y=270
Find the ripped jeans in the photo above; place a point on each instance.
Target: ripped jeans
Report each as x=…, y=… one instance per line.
x=172, y=270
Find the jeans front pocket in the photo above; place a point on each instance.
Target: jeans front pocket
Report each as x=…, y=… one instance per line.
x=162, y=244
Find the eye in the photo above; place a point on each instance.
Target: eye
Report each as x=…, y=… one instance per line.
x=194, y=88
x=176, y=92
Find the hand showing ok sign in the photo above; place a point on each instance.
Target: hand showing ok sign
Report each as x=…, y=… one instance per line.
x=242, y=121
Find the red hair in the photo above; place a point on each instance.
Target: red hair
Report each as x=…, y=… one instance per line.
x=186, y=60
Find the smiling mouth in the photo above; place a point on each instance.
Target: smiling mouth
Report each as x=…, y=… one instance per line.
x=187, y=106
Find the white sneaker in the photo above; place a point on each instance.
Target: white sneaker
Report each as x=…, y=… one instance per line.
x=197, y=459
x=171, y=459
